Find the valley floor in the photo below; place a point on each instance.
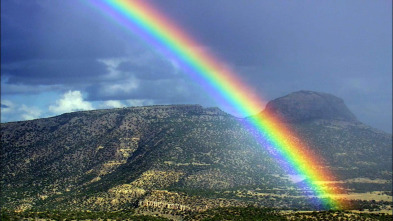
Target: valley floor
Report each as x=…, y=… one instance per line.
x=228, y=213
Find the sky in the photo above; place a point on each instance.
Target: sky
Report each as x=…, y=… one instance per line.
x=63, y=56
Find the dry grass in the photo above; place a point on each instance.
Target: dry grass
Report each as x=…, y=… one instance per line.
x=376, y=195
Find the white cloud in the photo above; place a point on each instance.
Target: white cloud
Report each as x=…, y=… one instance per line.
x=15, y=112
x=29, y=113
x=71, y=101
x=120, y=83
x=125, y=86
x=112, y=104
x=7, y=107
x=111, y=65
x=140, y=102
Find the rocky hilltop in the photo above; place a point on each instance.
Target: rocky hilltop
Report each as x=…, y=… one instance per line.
x=304, y=106
x=180, y=159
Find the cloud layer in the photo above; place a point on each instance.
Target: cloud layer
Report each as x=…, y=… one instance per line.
x=51, y=49
x=71, y=101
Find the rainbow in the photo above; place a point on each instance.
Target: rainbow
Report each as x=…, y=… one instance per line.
x=158, y=31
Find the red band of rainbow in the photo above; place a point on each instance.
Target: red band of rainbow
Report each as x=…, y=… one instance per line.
x=153, y=27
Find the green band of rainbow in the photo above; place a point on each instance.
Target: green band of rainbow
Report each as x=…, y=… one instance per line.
x=142, y=18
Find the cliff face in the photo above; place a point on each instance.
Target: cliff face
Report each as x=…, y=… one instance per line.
x=304, y=106
x=176, y=156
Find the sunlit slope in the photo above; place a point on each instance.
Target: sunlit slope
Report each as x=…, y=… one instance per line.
x=185, y=146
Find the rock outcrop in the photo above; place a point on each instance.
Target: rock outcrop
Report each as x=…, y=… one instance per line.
x=304, y=106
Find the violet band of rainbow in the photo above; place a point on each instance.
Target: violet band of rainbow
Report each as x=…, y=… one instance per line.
x=215, y=76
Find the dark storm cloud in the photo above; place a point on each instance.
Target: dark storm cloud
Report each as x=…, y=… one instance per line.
x=338, y=47
x=160, y=69
x=55, y=30
x=262, y=32
x=174, y=89
x=52, y=72
x=276, y=47
x=55, y=43
x=20, y=89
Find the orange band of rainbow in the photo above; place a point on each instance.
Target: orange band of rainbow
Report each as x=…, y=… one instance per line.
x=155, y=28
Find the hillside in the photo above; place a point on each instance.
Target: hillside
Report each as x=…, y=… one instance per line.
x=325, y=123
x=180, y=159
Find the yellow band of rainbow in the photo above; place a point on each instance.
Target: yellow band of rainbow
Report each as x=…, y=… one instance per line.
x=151, y=25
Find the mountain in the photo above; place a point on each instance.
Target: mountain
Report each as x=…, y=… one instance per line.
x=305, y=106
x=181, y=159
x=325, y=123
